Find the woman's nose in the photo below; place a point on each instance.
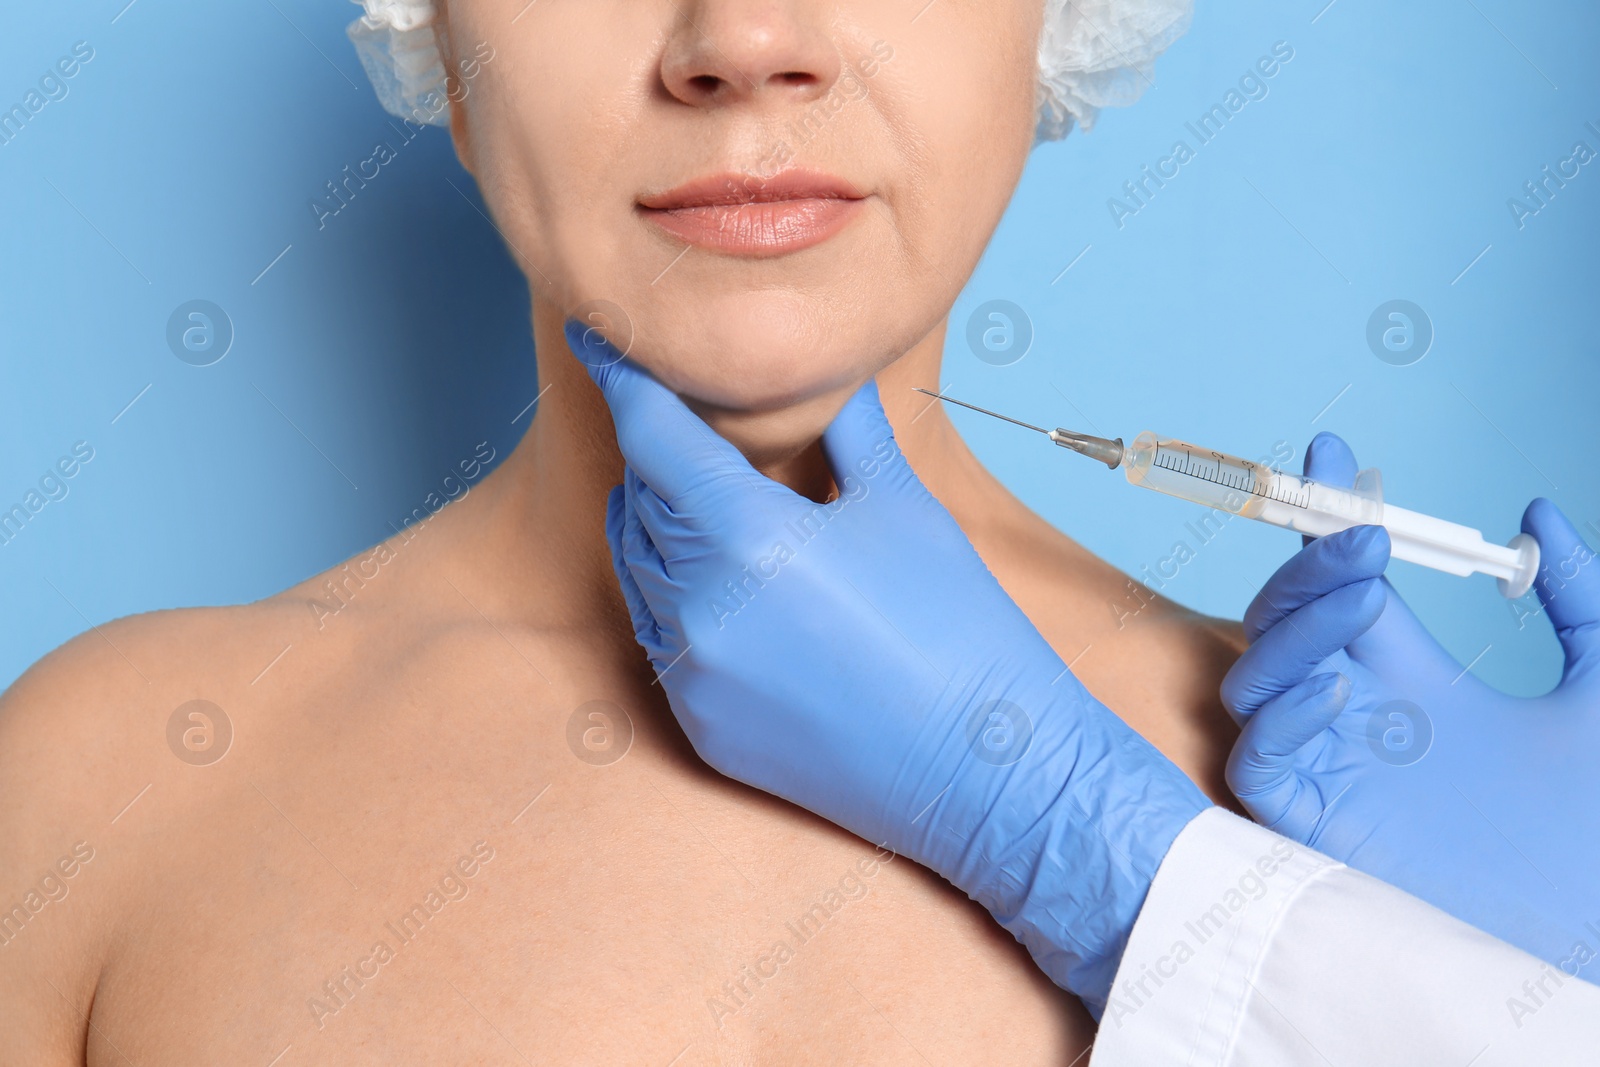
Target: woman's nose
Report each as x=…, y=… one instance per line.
x=727, y=51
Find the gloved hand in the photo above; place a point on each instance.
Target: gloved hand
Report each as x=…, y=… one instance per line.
x=1364, y=739
x=857, y=658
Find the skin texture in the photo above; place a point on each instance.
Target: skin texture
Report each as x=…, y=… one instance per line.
x=767, y=349
x=380, y=735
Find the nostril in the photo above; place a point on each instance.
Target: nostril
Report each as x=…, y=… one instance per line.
x=745, y=62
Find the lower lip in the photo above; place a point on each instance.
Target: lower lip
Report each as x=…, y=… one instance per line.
x=767, y=229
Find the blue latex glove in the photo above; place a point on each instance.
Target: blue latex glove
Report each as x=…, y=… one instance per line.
x=857, y=658
x=1366, y=740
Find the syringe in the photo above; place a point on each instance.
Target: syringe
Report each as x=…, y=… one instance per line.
x=1261, y=492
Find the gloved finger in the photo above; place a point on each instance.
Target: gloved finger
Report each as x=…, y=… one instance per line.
x=671, y=447
x=651, y=573
x=1397, y=640
x=659, y=524
x=870, y=469
x=644, y=623
x=1568, y=582
x=1263, y=767
x=859, y=442
x=1328, y=459
x=1291, y=651
x=1327, y=563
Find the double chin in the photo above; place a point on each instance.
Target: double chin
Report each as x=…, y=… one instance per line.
x=782, y=443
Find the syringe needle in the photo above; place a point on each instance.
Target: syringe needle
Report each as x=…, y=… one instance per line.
x=1107, y=450
x=985, y=411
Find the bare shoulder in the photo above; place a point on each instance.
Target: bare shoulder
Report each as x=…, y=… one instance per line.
x=76, y=722
x=74, y=713
x=111, y=764
x=86, y=735
x=1227, y=633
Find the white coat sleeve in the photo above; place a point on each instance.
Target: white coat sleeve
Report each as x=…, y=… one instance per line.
x=1254, y=950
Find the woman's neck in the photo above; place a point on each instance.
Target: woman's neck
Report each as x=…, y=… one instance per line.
x=527, y=549
x=536, y=529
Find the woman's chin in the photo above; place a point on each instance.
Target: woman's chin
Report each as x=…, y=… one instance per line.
x=760, y=353
x=770, y=439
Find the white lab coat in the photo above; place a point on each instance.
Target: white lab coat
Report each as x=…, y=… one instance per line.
x=1252, y=950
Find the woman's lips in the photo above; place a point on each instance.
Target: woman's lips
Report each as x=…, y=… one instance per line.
x=765, y=229
x=744, y=215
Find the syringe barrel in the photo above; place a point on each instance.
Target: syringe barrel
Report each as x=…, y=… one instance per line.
x=1258, y=491
x=1190, y=472
x=1242, y=487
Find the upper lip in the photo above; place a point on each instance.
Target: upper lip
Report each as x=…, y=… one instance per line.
x=733, y=188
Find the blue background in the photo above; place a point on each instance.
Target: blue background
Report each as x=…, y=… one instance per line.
x=372, y=355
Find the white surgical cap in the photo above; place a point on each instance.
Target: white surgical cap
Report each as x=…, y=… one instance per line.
x=1092, y=54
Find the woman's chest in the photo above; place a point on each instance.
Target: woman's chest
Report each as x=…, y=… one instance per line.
x=518, y=891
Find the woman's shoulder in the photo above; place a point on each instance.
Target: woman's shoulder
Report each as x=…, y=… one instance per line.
x=89, y=734
x=113, y=688
x=138, y=658
x=131, y=697
x=93, y=683
x=81, y=726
